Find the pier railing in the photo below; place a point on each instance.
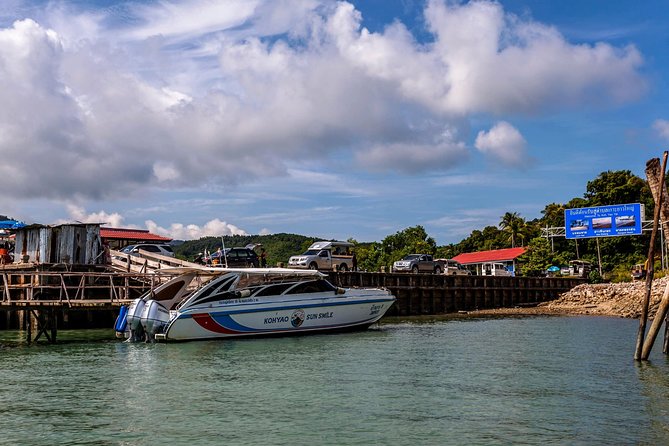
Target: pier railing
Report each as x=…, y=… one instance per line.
x=72, y=288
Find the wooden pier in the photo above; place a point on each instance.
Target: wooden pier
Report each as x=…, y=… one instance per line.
x=41, y=299
x=431, y=294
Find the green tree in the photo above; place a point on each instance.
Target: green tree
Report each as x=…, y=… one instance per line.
x=413, y=240
x=553, y=216
x=614, y=187
x=512, y=223
x=537, y=258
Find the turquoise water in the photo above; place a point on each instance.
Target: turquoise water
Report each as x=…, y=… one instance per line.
x=539, y=380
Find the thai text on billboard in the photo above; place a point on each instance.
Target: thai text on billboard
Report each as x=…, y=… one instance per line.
x=603, y=221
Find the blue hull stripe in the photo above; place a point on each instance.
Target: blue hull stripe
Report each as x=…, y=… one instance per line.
x=283, y=307
x=227, y=322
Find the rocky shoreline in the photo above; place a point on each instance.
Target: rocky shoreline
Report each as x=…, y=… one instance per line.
x=610, y=299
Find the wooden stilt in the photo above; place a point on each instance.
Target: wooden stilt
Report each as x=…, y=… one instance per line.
x=666, y=335
x=655, y=326
x=657, y=194
x=29, y=326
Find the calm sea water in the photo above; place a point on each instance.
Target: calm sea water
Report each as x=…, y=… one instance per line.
x=539, y=380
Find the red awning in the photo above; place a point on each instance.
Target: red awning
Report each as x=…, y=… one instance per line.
x=131, y=234
x=496, y=255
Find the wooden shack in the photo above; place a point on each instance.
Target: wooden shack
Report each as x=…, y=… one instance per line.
x=77, y=244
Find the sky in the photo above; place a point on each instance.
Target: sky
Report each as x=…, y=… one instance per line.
x=332, y=119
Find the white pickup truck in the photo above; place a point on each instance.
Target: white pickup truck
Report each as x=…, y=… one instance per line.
x=325, y=256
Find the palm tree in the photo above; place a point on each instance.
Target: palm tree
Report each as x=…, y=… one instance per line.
x=512, y=223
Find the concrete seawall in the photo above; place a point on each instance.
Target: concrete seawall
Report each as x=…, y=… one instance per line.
x=429, y=294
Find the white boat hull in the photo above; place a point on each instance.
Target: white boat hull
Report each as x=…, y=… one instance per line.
x=253, y=317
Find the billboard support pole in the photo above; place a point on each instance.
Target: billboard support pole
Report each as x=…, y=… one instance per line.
x=599, y=257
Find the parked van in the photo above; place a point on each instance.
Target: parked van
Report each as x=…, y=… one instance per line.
x=325, y=255
x=580, y=268
x=494, y=269
x=454, y=268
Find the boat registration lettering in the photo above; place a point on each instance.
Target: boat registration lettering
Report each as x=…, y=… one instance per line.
x=375, y=309
x=276, y=319
x=326, y=315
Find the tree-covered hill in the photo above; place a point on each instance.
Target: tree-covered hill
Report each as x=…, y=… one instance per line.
x=279, y=247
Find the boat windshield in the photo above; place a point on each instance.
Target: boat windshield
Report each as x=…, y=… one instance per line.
x=253, y=280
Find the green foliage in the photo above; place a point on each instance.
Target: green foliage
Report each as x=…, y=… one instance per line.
x=513, y=224
x=538, y=257
x=369, y=256
x=620, y=273
x=412, y=240
x=594, y=277
x=614, y=187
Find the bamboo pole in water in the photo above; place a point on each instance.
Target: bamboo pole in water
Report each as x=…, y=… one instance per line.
x=657, y=190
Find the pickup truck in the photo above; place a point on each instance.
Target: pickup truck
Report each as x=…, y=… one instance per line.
x=325, y=255
x=418, y=263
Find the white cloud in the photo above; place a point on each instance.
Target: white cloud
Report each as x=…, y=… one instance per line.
x=503, y=143
x=79, y=214
x=661, y=126
x=496, y=62
x=178, y=231
x=188, y=93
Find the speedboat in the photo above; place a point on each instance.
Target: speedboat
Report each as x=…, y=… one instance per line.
x=251, y=302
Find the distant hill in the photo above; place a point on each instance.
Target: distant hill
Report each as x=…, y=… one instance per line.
x=279, y=247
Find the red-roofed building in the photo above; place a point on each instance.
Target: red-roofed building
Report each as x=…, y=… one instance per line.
x=506, y=256
x=118, y=238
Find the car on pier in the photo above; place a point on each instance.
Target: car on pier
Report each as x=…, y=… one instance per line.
x=418, y=263
x=154, y=248
x=454, y=268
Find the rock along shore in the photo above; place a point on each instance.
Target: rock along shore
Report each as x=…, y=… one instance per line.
x=609, y=299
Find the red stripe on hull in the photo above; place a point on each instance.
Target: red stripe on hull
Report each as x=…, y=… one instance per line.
x=205, y=321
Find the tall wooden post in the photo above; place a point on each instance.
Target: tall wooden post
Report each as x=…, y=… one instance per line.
x=658, y=192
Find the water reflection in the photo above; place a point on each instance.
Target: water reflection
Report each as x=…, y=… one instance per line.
x=655, y=388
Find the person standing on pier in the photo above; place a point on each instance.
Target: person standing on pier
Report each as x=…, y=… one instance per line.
x=263, y=258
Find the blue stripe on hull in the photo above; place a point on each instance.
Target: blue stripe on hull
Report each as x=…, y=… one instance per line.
x=283, y=307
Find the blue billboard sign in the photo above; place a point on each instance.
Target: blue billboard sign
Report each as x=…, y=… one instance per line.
x=603, y=221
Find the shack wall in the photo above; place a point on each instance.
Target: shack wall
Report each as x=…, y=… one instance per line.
x=69, y=244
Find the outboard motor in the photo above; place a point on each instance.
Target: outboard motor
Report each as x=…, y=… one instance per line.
x=133, y=318
x=121, y=322
x=154, y=319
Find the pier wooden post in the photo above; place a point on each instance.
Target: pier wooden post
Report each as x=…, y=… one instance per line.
x=657, y=188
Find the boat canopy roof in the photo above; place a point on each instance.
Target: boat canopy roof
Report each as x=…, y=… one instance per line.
x=217, y=271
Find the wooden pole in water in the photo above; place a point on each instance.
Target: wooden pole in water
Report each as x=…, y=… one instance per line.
x=655, y=326
x=665, y=349
x=657, y=194
x=653, y=173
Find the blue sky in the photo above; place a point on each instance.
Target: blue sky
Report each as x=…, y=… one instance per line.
x=331, y=119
